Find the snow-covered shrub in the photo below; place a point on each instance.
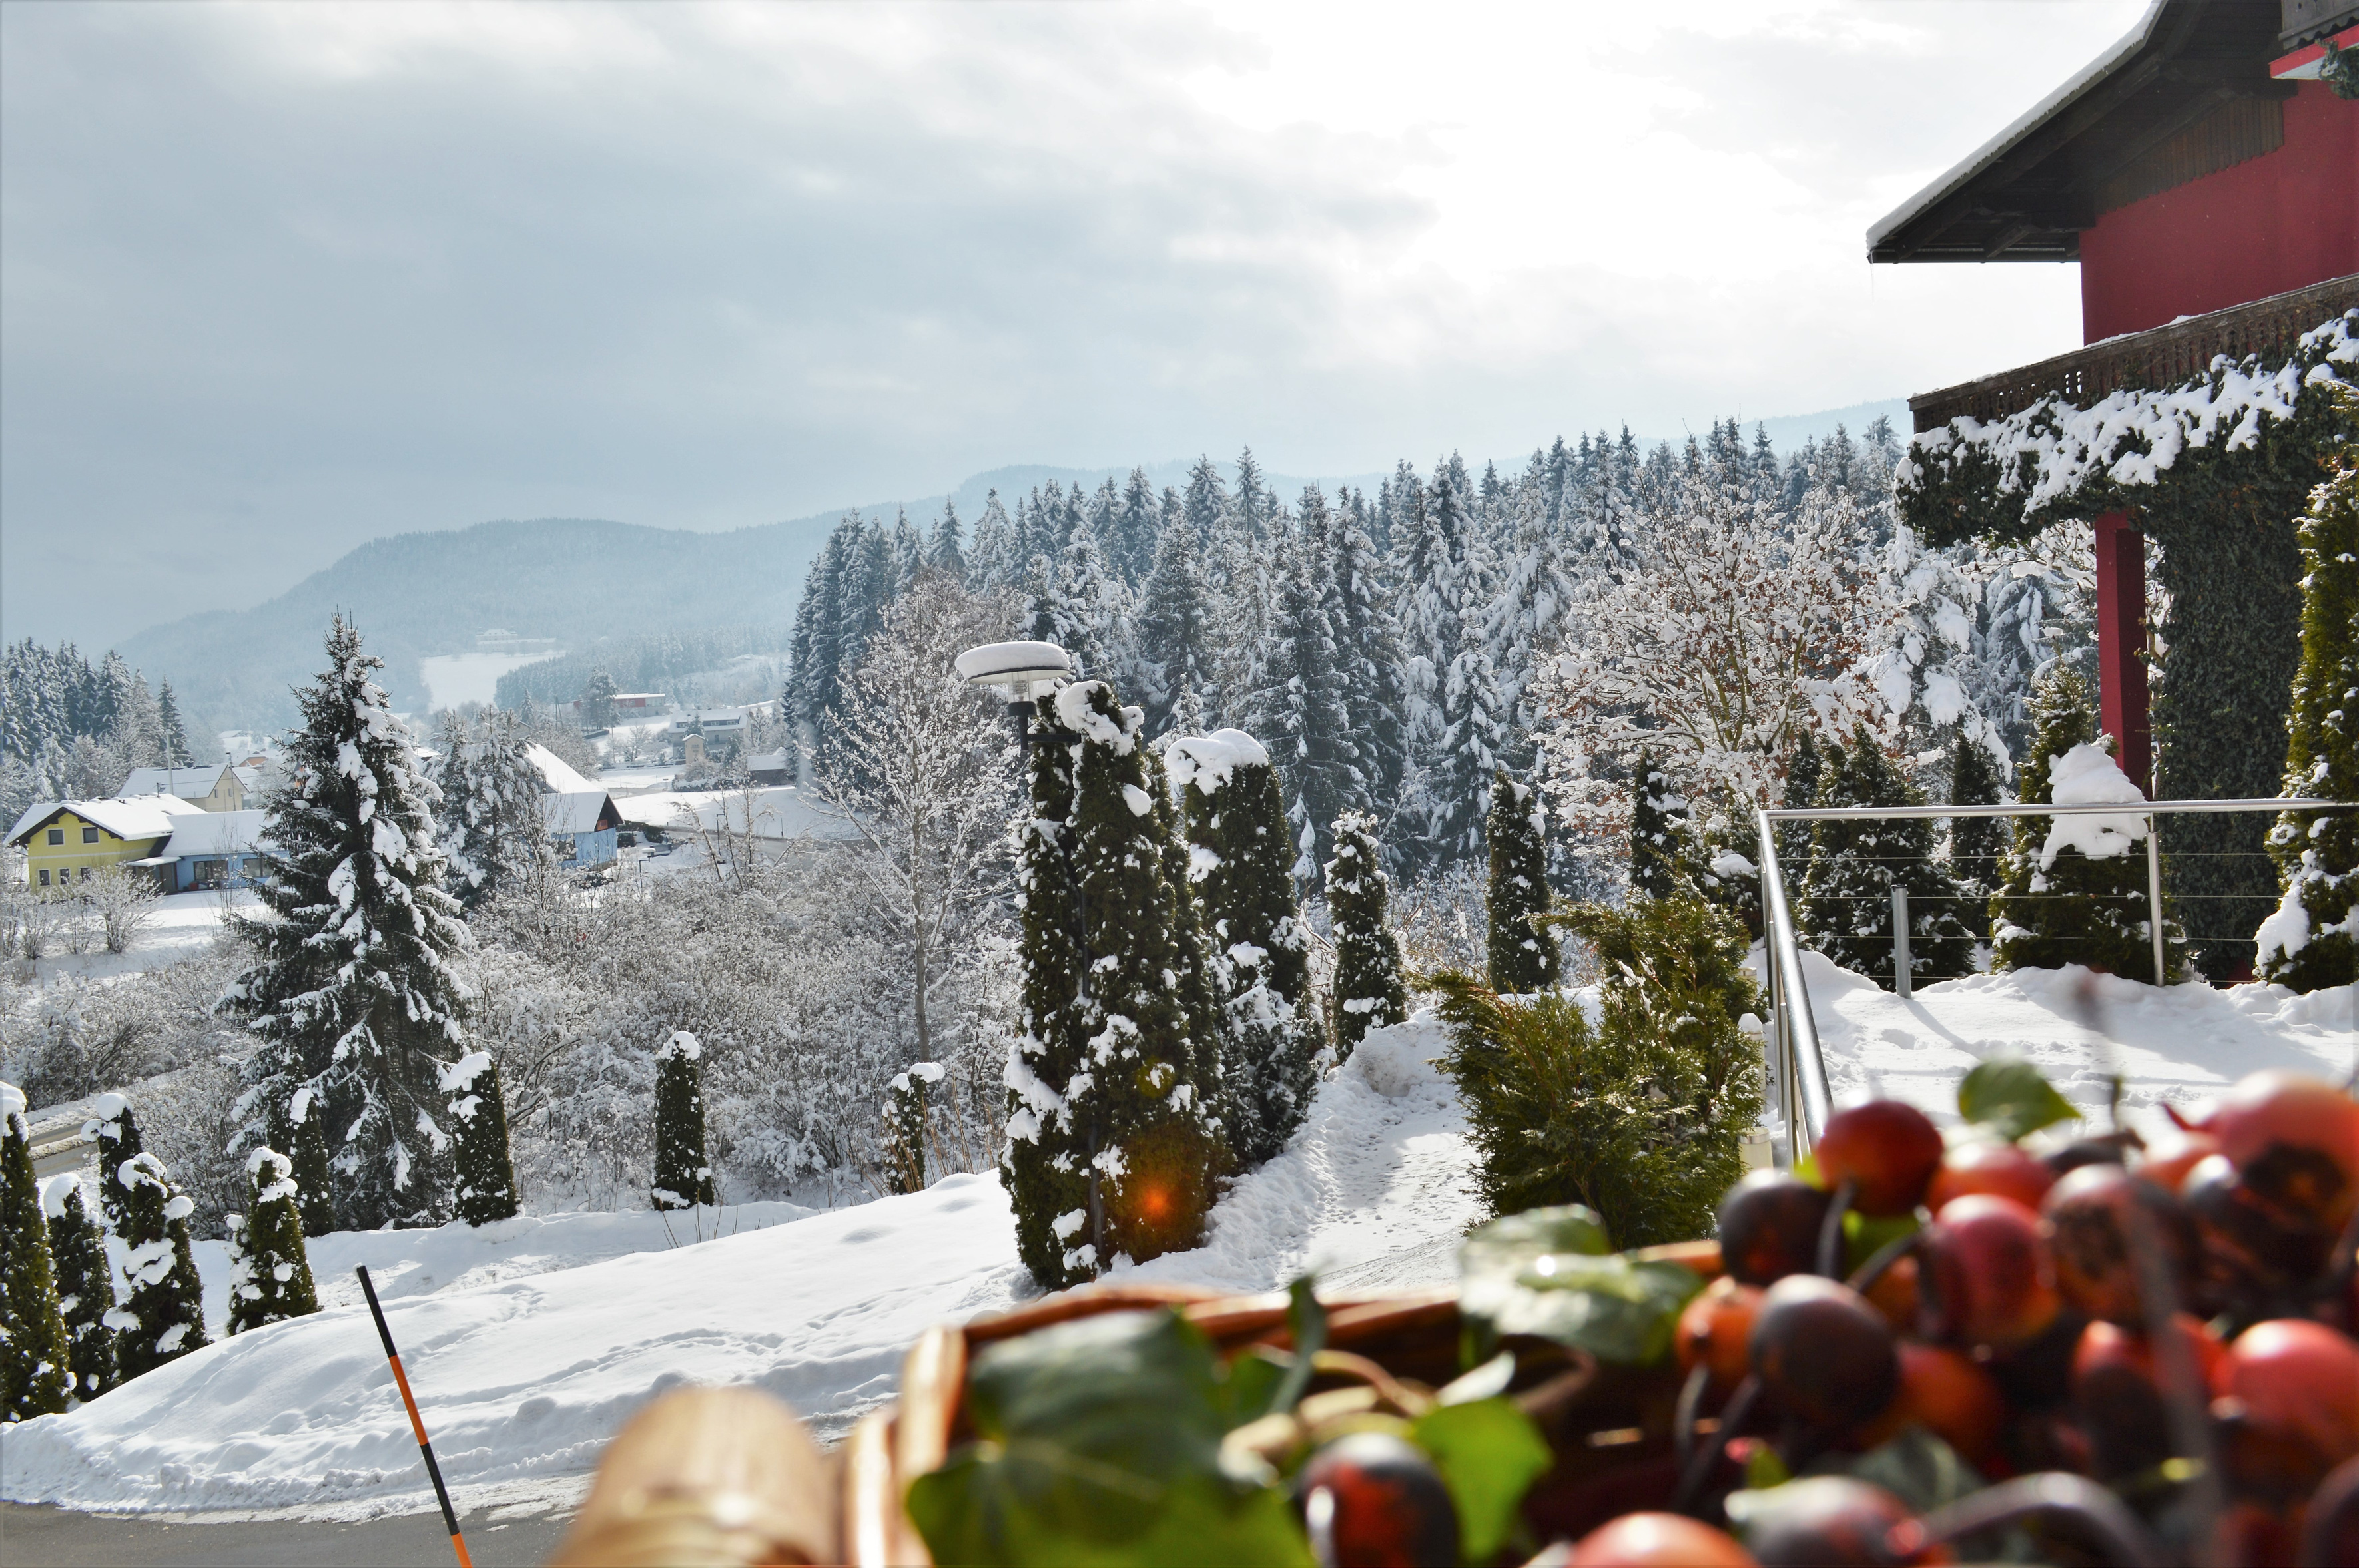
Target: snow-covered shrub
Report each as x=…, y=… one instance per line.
x=36, y=1366
x=85, y=1284
x=122, y=903
x=683, y=1174
x=907, y=1128
x=162, y=1315
x=295, y=1127
x=486, y=1184
x=1522, y=954
x=1368, y=991
x=272, y=1277
x=1976, y=843
x=2312, y=939
x=1846, y=900
x=191, y=1120
x=1636, y=1102
x=73, y=1037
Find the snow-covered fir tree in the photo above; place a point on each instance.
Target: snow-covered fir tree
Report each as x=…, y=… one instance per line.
x=1367, y=655
x=1296, y=705
x=598, y=700
x=1846, y=904
x=271, y=1272
x=171, y=728
x=1801, y=788
x=353, y=990
x=905, y=1127
x=1658, y=829
x=2312, y=938
x=162, y=1315
x=292, y=1123
x=683, y=1171
x=992, y=561
x=485, y=1187
x=85, y=1284
x=1241, y=868
x=1175, y=628
x=492, y=821
x=946, y=545
x=35, y=1358
x=1369, y=989
x=1522, y=953
x=2072, y=889
x=1976, y=843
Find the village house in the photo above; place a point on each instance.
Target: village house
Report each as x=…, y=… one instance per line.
x=67, y=843
x=217, y=786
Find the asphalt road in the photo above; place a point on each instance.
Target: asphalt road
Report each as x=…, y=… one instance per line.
x=58, y=1538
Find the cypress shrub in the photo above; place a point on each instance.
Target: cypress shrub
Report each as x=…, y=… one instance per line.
x=36, y=1361
x=1240, y=867
x=273, y=1278
x=905, y=1128
x=85, y=1286
x=1977, y=844
x=295, y=1127
x=485, y=1173
x=1657, y=819
x=683, y=1175
x=1802, y=769
x=1641, y=1114
x=116, y=1128
x=2312, y=939
x=163, y=1317
x=1368, y=990
x=1522, y=954
x=1847, y=901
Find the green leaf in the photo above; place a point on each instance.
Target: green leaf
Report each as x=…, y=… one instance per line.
x=1488, y=1453
x=1308, y=1320
x=1916, y=1466
x=1616, y=1309
x=969, y=1514
x=1863, y=1237
x=2008, y=1096
x=1256, y=1379
x=1514, y=1242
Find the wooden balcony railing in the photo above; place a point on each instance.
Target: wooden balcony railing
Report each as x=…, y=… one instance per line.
x=2165, y=356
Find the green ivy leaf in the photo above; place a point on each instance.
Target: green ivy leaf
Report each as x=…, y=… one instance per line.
x=1488, y=1453
x=1616, y=1309
x=2008, y=1096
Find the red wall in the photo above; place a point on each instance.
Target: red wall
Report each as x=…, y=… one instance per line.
x=2282, y=221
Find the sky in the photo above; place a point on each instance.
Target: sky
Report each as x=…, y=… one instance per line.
x=278, y=279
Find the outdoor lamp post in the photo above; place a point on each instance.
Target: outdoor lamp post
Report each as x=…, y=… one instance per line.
x=1022, y=670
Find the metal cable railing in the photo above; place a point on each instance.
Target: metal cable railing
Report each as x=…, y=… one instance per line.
x=1797, y=1070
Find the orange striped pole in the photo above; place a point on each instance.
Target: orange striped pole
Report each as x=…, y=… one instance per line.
x=433, y=1470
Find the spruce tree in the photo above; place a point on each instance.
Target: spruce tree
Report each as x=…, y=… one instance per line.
x=1802, y=769
x=1296, y=705
x=172, y=729
x=598, y=700
x=485, y=1189
x=683, y=1174
x=1136, y=1100
x=1976, y=843
x=492, y=820
x=1657, y=827
x=1368, y=990
x=2312, y=939
x=85, y=1286
x=272, y=1280
x=162, y=1316
x=946, y=546
x=1523, y=956
x=1241, y=869
x=1044, y=1165
x=1846, y=904
x=353, y=990
x=35, y=1358
x=293, y=1125
x=2056, y=904
x=1175, y=628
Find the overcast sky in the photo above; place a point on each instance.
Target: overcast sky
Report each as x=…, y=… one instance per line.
x=277, y=279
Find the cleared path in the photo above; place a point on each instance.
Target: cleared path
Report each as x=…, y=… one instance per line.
x=59, y=1538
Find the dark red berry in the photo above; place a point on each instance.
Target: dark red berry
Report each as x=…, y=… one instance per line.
x=1377, y=1502
x=1823, y=1353
x=1887, y=1149
x=1769, y=1224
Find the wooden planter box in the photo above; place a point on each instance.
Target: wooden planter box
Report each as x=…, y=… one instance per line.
x=1611, y=1427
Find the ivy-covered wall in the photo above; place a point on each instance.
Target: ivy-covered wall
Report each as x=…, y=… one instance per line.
x=2216, y=471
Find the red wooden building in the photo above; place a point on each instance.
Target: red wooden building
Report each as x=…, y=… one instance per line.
x=2206, y=179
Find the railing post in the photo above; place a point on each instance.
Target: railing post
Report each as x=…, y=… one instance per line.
x=2153, y=896
x=1900, y=976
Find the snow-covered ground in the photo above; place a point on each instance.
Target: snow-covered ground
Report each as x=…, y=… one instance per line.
x=529, y=1343
x=181, y=925
x=453, y=678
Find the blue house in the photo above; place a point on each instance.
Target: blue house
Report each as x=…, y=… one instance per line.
x=210, y=849
x=582, y=826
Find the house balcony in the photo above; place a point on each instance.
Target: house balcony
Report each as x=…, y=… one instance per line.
x=2161, y=357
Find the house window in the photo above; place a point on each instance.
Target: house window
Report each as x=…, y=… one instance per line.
x=85, y=873
x=56, y=834
x=45, y=879
x=89, y=835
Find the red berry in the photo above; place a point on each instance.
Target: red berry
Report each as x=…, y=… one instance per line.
x=1983, y=1277
x=1944, y=1391
x=1825, y=1522
x=2299, y=1380
x=2001, y=1170
x=1888, y=1148
x=1769, y=1224
x=2088, y=1222
x=1656, y=1540
x=2117, y=1392
x=2295, y=1143
x=1824, y=1355
x=1715, y=1329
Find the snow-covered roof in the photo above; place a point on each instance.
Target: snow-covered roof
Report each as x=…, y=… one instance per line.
x=148, y=816
x=209, y=834
x=576, y=810
x=555, y=771
x=187, y=782
x=780, y=811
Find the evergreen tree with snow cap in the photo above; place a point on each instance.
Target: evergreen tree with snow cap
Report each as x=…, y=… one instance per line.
x=162, y=1316
x=114, y=1126
x=35, y=1358
x=905, y=1127
x=1368, y=990
x=1137, y=1099
x=1044, y=1163
x=353, y=991
x=2312, y=940
x=492, y=816
x=1175, y=631
x=485, y=1190
x=272, y=1279
x=85, y=1284
x=1846, y=903
x=683, y=1174
x=1657, y=827
x=1976, y=843
x=1240, y=867
x=1523, y=956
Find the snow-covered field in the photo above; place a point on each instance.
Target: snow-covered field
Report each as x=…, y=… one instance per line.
x=453, y=678
x=179, y=927
x=530, y=1342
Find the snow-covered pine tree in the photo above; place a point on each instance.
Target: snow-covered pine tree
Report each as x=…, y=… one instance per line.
x=114, y=1127
x=598, y=700
x=1241, y=868
x=1296, y=705
x=1368, y=990
x=1454, y=736
x=1976, y=843
x=1367, y=657
x=1136, y=522
x=486, y=1189
x=905, y=1127
x=2072, y=889
x=1175, y=628
x=171, y=729
x=1846, y=903
x=1135, y=1101
x=272, y=1278
x=1802, y=768
x=162, y=1316
x=1044, y=1165
x=1193, y=979
x=2312, y=938
x=946, y=545
x=35, y=1358
x=85, y=1284
x=1523, y=956
x=994, y=562
x=1657, y=831
x=494, y=823
x=352, y=989
x=683, y=1174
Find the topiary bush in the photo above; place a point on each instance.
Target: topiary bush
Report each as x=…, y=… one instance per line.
x=683, y=1174
x=85, y=1286
x=1369, y=989
x=1522, y=953
x=273, y=1279
x=35, y=1355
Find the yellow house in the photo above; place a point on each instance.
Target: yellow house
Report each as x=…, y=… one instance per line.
x=66, y=843
x=215, y=787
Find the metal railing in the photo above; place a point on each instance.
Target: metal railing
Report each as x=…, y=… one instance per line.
x=1797, y=1070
